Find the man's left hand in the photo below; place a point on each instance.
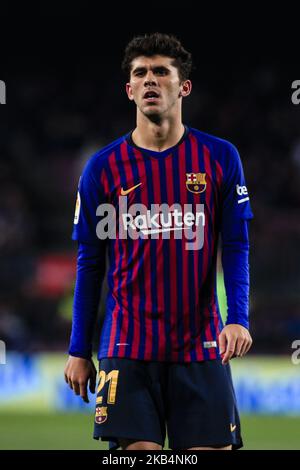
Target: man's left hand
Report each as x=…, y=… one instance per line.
x=234, y=341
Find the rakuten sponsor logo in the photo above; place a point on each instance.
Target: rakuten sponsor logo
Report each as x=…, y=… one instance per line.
x=160, y=221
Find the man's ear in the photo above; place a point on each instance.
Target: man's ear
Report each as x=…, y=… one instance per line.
x=129, y=91
x=186, y=88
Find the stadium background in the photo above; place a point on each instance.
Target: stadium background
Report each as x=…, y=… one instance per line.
x=63, y=106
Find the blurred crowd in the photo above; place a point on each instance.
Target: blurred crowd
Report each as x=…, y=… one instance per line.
x=53, y=123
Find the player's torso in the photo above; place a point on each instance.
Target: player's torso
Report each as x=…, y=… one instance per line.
x=164, y=227
x=163, y=195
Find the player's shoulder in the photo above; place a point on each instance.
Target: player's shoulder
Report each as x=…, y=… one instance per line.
x=99, y=159
x=219, y=148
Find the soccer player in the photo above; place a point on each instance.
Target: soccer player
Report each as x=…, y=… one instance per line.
x=155, y=201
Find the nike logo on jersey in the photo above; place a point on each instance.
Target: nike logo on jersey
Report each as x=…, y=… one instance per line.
x=124, y=192
x=232, y=427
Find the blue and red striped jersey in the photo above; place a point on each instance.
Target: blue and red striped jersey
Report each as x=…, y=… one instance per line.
x=148, y=208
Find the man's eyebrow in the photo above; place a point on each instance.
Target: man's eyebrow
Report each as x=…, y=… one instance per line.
x=156, y=67
x=139, y=69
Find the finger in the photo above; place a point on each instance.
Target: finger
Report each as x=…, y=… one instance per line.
x=248, y=346
x=222, y=343
x=229, y=351
x=76, y=388
x=240, y=346
x=66, y=378
x=244, y=348
x=70, y=383
x=83, y=391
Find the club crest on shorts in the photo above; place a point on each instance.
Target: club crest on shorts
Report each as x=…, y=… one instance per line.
x=101, y=414
x=195, y=182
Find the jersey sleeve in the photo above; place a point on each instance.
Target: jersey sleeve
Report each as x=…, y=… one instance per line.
x=236, y=212
x=90, y=195
x=235, y=196
x=91, y=265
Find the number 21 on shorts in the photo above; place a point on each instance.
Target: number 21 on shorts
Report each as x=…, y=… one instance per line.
x=112, y=378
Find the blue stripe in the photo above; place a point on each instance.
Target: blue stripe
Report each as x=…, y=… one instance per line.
x=214, y=260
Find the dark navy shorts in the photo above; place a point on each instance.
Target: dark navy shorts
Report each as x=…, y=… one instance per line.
x=140, y=400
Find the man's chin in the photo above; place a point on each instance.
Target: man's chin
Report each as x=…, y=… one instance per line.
x=152, y=112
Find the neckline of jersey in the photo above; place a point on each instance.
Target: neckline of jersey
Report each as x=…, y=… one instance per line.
x=153, y=153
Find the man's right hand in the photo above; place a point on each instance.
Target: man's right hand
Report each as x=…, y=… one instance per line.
x=78, y=372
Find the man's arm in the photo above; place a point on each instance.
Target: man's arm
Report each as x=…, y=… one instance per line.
x=80, y=368
x=235, y=339
x=90, y=273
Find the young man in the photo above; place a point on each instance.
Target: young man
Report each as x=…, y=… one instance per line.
x=169, y=190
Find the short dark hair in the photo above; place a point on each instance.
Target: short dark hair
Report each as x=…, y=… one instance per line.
x=158, y=44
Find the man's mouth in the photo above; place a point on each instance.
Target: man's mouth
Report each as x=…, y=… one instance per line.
x=151, y=96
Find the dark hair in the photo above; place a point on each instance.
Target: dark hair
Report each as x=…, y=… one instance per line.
x=160, y=44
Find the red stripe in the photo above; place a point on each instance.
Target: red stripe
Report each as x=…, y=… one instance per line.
x=148, y=333
x=124, y=291
x=172, y=267
x=159, y=267
x=219, y=173
x=116, y=311
x=104, y=182
x=185, y=256
x=136, y=296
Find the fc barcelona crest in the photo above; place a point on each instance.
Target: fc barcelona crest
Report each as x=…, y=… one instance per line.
x=195, y=182
x=101, y=414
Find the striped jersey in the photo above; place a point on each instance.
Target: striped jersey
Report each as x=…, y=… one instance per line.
x=159, y=215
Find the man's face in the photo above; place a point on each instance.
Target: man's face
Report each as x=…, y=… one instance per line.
x=155, y=85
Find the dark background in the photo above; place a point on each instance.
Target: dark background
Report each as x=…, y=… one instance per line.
x=66, y=99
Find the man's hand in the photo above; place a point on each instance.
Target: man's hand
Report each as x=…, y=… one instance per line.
x=234, y=340
x=78, y=372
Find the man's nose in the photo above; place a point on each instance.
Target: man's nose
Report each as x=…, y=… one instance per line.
x=150, y=79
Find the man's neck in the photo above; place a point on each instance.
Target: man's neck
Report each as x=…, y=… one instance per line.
x=157, y=137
